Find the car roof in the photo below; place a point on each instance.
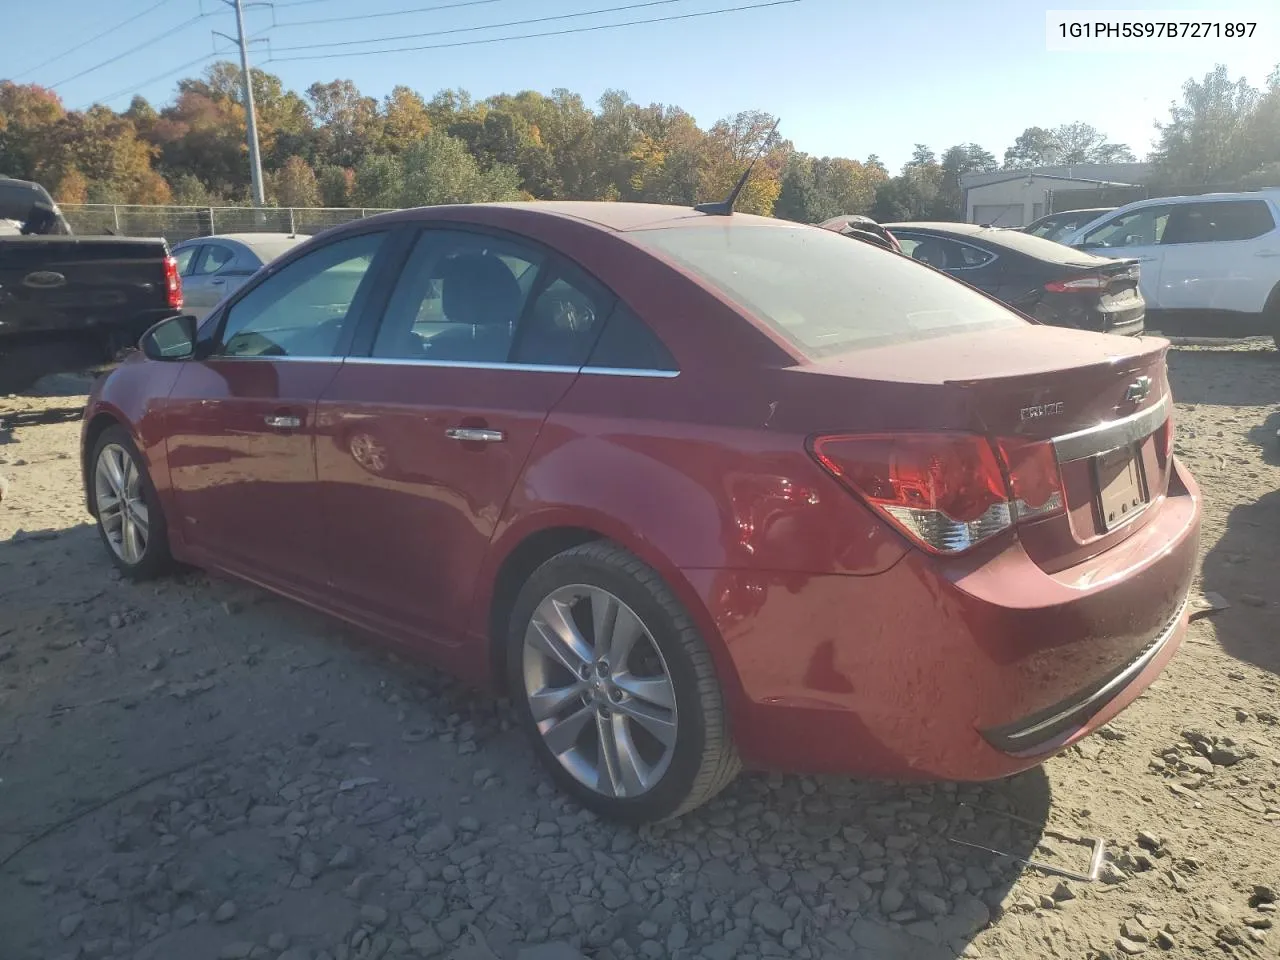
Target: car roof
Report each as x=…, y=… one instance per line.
x=1004, y=238
x=614, y=216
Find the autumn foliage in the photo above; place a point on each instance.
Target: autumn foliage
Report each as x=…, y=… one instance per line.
x=335, y=146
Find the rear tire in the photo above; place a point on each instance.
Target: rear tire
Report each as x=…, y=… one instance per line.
x=131, y=521
x=630, y=718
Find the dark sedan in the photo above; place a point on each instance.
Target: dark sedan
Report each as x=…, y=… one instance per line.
x=1052, y=283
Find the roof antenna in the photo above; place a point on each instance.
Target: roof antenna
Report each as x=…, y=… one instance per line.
x=724, y=208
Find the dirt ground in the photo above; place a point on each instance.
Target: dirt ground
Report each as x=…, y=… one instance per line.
x=193, y=769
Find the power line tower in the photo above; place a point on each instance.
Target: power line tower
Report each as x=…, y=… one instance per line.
x=251, y=115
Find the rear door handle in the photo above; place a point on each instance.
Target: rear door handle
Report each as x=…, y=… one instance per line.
x=475, y=435
x=281, y=422
x=1267, y=253
x=218, y=281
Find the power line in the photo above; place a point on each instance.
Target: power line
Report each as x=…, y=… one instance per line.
x=143, y=45
x=168, y=73
x=488, y=26
x=545, y=33
x=385, y=13
x=94, y=39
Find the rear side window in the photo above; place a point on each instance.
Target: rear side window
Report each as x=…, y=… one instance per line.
x=627, y=344
x=1219, y=222
x=822, y=293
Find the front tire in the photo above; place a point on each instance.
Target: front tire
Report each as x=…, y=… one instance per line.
x=130, y=520
x=616, y=687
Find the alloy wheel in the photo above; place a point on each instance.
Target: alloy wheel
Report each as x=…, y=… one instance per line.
x=600, y=691
x=122, y=508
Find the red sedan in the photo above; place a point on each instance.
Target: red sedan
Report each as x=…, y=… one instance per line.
x=696, y=491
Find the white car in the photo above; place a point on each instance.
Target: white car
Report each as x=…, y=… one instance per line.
x=1210, y=264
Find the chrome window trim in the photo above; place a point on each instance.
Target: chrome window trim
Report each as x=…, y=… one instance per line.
x=1111, y=434
x=501, y=365
x=232, y=357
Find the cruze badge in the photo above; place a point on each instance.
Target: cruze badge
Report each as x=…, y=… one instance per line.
x=1138, y=390
x=1038, y=410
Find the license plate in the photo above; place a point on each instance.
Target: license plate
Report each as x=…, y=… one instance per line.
x=1121, y=492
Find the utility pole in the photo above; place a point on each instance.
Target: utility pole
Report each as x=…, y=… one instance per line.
x=255, y=158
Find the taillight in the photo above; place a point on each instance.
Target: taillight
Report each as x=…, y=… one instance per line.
x=173, y=283
x=1093, y=282
x=946, y=492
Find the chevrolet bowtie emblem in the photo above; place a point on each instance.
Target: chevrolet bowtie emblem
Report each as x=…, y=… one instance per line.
x=1138, y=390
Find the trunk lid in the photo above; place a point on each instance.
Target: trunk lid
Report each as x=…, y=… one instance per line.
x=1101, y=400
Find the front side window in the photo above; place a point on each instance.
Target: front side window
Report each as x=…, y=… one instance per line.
x=1138, y=228
x=1219, y=221
x=822, y=293
x=301, y=311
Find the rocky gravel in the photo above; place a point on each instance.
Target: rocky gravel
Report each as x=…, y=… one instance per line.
x=195, y=769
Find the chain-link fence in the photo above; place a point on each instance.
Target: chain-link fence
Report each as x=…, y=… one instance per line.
x=182, y=223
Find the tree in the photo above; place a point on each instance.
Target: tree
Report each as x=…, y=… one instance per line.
x=1217, y=133
x=730, y=146
x=957, y=161
x=439, y=170
x=1034, y=147
x=1082, y=143
x=798, y=195
x=29, y=116
x=295, y=184
x=405, y=119
x=348, y=124
x=1067, y=144
x=72, y=188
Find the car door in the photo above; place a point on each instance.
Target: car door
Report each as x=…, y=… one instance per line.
x=241, y=417
x=204, y=287
x=421, y=440
x=1213, y=256
x=1135, y=233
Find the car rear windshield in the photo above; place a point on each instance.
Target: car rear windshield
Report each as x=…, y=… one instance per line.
x=823, y=292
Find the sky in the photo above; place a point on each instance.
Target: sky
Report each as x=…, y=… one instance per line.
x=846, y=77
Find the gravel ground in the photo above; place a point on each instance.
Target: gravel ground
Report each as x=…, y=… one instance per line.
x=194, y=769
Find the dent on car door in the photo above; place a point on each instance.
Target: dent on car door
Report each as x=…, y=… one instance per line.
x=241, y=435
x=422, y=439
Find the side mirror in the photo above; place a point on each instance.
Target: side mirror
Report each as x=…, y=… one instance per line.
x=171, y=339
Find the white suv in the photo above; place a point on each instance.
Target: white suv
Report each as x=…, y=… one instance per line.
x=1210, y=264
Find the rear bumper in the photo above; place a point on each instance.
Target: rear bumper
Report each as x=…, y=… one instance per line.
x=949, y=670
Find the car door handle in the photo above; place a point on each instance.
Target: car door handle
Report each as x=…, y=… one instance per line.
x=475, y=435
x=282, y=422
x=1267, y=253
x=1146, y=259
x=218, y=281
